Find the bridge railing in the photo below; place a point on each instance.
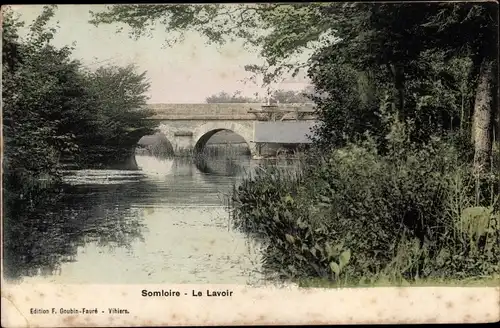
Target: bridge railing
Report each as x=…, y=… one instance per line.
x=236, y=111
x=277, y=113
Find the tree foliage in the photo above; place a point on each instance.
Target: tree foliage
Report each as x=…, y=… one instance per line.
x=429, y=83
x=117, y=96
x=224, y=97
x=291, y=96
x=41, y=89
x=53, y=109
x=278, y=96
x=276, y=29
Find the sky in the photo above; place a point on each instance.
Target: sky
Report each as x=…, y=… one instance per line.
x=184, y=73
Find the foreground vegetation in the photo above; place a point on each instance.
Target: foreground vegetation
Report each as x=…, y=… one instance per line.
x=359, y=217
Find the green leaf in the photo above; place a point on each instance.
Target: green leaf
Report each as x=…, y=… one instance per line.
x=300, y=257
x=337, y=248
x=344, y=258
x=333, y=251
x=313, y=251
x=329, y=250
x=335, y=268
x=289, y=238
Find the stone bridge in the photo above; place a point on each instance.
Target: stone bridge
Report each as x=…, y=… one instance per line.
x=188, y=127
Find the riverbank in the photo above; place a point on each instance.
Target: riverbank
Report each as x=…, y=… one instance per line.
x=354, y=217
x=493, y=281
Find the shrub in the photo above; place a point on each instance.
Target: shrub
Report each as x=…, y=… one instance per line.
x=358, y=215
x=261, y=197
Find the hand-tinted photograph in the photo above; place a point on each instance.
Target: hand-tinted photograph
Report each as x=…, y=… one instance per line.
x=320, y=145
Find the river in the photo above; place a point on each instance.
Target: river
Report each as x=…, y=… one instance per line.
x=165, y=223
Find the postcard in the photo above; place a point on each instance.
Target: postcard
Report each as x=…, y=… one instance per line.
x=251, y=163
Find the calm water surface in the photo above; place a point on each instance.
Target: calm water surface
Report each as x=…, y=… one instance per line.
x=165, y=223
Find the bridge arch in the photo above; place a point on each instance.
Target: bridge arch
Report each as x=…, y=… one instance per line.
x=157, y=142
x=204, y=132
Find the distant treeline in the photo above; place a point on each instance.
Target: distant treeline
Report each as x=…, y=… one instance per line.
x=278, y=96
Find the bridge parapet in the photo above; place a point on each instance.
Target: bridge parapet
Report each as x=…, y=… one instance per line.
x=230, y=111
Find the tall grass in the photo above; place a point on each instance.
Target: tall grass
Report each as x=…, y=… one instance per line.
x=262, y=196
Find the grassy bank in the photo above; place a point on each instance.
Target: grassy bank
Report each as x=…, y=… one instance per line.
x=355, y=217
x=492, y=281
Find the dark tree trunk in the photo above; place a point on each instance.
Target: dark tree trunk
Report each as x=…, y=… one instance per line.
x=396, y=71
x=483, y=117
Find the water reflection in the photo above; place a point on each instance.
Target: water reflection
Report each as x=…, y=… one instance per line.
x=223, y=167
x=164, y=223
x=40, y=236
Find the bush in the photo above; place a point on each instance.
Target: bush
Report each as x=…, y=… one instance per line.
x=261, y=197
x=359, y=215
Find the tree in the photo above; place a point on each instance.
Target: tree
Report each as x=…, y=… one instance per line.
x=397, y=36
x=54, y=110
x=290, y=96
x=117, y=96
x=280, y=96
x=41, y=89
x=224, y=97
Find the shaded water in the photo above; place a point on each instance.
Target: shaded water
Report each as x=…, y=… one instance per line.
x=165, y=223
